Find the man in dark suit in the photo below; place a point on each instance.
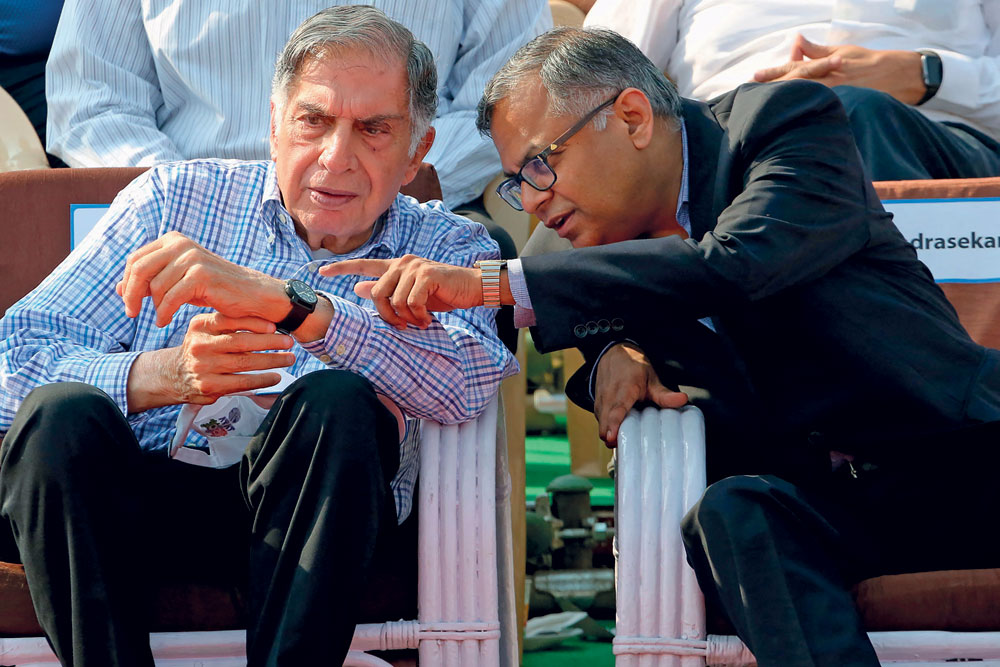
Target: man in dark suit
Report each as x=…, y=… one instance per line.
x=734, y=255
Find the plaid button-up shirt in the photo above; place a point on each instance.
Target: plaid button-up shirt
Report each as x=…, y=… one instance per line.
x=73, y=326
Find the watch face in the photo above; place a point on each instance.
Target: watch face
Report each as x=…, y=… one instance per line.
x=302, y=291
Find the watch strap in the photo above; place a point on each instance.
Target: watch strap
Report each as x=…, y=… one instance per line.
x=489, y=271
x=300, y=311
x=932, y=71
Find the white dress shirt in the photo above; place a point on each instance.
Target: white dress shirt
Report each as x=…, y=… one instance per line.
x=709, y=47
x=139, y=82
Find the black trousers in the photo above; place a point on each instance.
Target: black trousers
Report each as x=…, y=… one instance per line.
x=897, y=142
x=778, y=557
x=98, y=522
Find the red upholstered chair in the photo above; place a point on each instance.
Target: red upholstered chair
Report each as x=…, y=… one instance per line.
x=454, y=574
x=933, y=618
x=978, y=304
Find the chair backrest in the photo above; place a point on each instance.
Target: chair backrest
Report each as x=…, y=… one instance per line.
x=977, y=303
x=35, y=219
x=35, y=216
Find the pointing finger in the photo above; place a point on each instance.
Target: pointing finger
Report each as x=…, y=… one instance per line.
x=357, y=267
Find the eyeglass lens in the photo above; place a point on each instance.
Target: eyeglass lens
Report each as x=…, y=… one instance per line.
x=510, y=192
x=536, y=172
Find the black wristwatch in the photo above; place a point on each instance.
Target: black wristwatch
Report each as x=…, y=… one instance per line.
x=932, y=71
x=303, y=300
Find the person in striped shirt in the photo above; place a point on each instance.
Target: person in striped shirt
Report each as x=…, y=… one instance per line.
x=141, y=82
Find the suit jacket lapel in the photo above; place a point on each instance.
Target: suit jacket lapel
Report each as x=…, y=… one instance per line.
x=704, y=136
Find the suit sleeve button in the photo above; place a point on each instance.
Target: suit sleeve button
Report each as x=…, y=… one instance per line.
x=604, y=326
x=592, y=327
x=617, y=324
x=580, y=330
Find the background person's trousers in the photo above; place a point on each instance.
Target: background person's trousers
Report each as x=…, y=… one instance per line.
x=97, y=521
x=778, y=559
x=898, y=143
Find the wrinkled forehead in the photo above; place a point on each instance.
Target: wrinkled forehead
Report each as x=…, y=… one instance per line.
x=334, y=52
x=341, y=56
x=357, y=82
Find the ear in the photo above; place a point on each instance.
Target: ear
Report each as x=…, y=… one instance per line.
x=634, y=109
x=274, y=131
x=418, y=156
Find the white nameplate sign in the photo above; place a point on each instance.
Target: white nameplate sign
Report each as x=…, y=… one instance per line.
x=958, y=239
x=83, y=218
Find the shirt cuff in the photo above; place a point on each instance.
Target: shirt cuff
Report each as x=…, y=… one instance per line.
x=959, y=81
x=109, y=373
x=518, y=285
x=523, y=318
x=524, y=314
x=345, y=345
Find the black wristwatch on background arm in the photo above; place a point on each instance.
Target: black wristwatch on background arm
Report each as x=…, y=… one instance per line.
x=303, y=300
x=932, y=71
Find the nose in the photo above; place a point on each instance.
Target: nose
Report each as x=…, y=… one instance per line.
x=532, y=199
x=338, y=154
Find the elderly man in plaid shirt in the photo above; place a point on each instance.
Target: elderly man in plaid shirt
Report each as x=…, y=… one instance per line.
x=93, y=373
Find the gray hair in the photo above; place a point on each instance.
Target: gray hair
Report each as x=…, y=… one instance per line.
x=581, y=68
x=338, y=29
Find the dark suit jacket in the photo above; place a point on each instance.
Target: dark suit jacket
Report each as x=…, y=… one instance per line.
x=831, y=331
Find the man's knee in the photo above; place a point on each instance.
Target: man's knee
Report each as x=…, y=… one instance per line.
x=51, y=413
x=65, y=399
x=722, y=504
x=329, y=403
x=340, y=393
x=56, y=432
x=328, y=427
x=867, y=107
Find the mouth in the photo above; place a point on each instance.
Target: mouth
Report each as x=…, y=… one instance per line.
x=330, y=197
x=558, y=223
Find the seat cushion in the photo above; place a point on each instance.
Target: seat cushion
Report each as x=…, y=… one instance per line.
x=958, y=600
x=954, y=600
x=178, y=606
x=17, y=616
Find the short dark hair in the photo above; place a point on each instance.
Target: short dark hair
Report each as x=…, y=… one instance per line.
x=580, y=68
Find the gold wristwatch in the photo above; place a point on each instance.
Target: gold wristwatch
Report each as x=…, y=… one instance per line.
x=489, y=271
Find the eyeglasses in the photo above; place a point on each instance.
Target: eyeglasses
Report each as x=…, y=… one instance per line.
x=536, y=172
